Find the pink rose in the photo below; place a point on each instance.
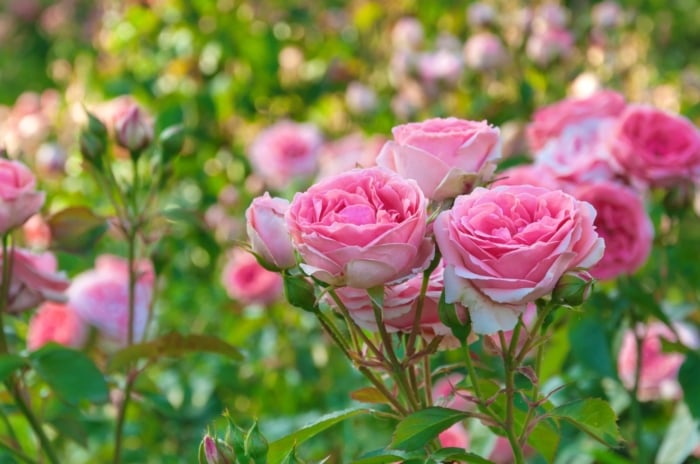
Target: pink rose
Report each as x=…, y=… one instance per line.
x=36, y=232
x=480, y=14
x=502, y=453
x=349, y=152
x=100, y=296
x=455, y=436
x=656, y=148
x=484, y=51
x=360, y=98
x=659, y=370
x=443, y=155
x=543, y=47
x=133, y=128
x=407, y=33
x=267, y=231
x=622, y=221
x=446, y=393
x=34, y=280
x=400, y=305
x=439, y=67
x=247, y=281
x=57, y=323
x=362, y=228
x=527, y=174
x=286, y=151
x=506, y=247
x=550, y=121
x=18, y=196
x=580, y=153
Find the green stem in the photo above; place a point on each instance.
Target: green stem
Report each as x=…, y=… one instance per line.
x=636, y=404
x=510, y=403
x=121, y=417
x=4, y=290
x=33, y=422
x=16, y=453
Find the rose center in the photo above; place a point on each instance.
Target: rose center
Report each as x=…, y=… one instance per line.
x=358, y=215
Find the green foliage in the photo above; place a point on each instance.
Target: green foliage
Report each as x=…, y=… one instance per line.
x=416, y=430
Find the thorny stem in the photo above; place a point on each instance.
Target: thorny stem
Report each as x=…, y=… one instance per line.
x=121, y=417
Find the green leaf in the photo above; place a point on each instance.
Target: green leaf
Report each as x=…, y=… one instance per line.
x=545, y=439
x=592, y=416
x=590, y=345
x=70, y=373
x=688, y=378
x=368, y=395
x=416, y=430
x=458, y=454
x=300, y=292
x=383, y=456
x=76, y=229
x=280, y=448
x=173, y=344
x=10, y=363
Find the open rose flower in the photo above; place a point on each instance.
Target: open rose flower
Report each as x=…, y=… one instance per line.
x=101, y=297
x=623, y=223
x=34, y=280
x=286, y=151
x=400, y=306
x=247, y=281
x=527, y=174
x=655, y=148
x=267, y=231
x=550, y=121
x=658, y=377
x=362, y=228
x=19, y=199
x=443, y=155
x=57, y=323
x=506, y=247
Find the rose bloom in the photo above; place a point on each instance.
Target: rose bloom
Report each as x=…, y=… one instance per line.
x=550, y=121
x=400, y=306
x=360, y=98
x=267, y=231
x=543, y=47
x=286, y=151
x=351, y=151
x=580, y=153
x=441, y=67
x=659, y=370
x=443, y=155
x=100, y=296
x=455, y=436
x=484, y=51
x=247, y=281
x=18, y=196
x=57, y=323
x=446, y=393
x=36, y=232
x=407, y=33
x=508, y=246
x=480, y=14
x=623, y=223
x=362, y=228
x=656, y=148
x=527, y=174
x=34, y=279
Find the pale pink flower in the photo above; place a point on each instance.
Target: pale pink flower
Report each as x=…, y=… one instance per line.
x=623, y=222
x=57, y=323
x=267, y=231
x=351, y=151
x=407, y=33
x=508, y=246
x=527, y=174
x=36, y=233
x=286, y=151
x=445, y=156
x=548, y=45
x=362, y=228
x=659, y=370
x=247, y=281
x=455, y=436
x=100, y=296
x=484, y=51
x=34, y=280
x=19, y=199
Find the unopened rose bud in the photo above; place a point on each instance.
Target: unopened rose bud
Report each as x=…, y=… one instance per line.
x=267, y=231
x=216, y=451
x=256, y=445
x=172, y=140
x=573, y=288
x=96, y=127
x=134, y=132
x=92, y=148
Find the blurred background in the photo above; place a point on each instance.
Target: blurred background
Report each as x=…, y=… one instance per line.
x=228, y=69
